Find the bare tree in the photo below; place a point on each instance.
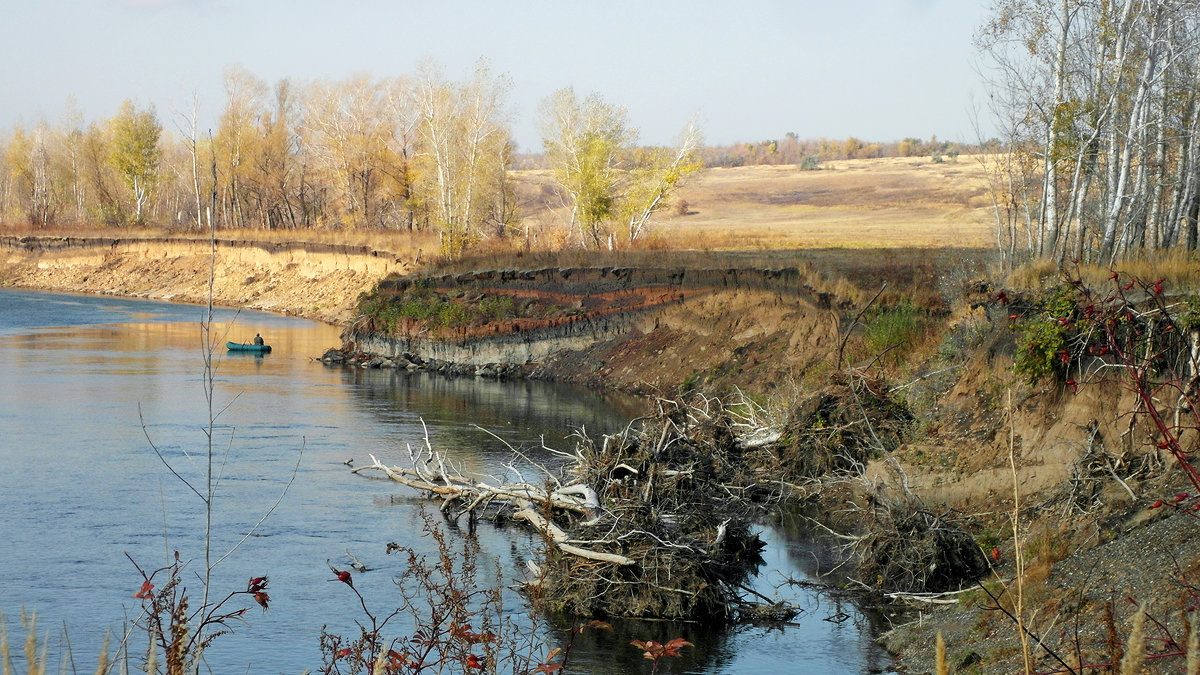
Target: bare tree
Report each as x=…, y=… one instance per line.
x=1104, y=95
x=463, y=139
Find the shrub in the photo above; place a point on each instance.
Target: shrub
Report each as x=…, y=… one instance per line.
x=894, y=329
x=497, y=308
x=1040, y=350
x=1042, y=347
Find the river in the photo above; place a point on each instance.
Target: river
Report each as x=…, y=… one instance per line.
x=94, y=389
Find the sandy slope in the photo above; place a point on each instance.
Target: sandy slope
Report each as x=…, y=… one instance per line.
x=318, y=285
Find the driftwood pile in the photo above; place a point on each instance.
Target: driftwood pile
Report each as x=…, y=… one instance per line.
x=909, y=548
x=651, y=522
x=841, y=427
x=899, y=545
x=655, y=521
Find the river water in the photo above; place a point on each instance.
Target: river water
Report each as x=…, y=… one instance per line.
x=93, y=389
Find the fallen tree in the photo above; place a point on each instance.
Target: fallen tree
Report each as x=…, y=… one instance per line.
x=651, y=522
x=656, y=521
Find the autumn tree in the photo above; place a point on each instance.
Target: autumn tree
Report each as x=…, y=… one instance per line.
x=5, y=181
x=1104, y=97
x=100, y=176
x=236, y=140
x=590, y=146
x=463, y=147
x=189, y=126
x=654, y=180
x=351, y=133
x=584, y=141
x=135, y=152
x=275, y=193
x=29, y=165
x=71, y=160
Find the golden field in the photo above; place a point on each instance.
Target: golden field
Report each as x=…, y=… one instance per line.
x=864, y=203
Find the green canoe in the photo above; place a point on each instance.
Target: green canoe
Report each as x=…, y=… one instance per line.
x=243, y=347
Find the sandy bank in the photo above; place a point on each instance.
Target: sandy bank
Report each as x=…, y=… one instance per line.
x=315, y=281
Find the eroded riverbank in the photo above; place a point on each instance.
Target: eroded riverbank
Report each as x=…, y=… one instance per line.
x=316, y=281
x=979, y=433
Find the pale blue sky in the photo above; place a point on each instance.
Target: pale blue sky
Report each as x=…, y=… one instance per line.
x=752, y=70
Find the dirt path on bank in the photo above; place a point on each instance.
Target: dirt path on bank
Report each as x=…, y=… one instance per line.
x=321, y=283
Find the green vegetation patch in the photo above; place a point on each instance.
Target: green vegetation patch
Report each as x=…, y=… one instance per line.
x=893, y=333
x=1042, y=343
x=896, y=328
x=1069, y=332
x=423, y=306
x=420, y=307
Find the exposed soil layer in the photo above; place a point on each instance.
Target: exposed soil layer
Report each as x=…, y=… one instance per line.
x=647, y=330
x=317, y=281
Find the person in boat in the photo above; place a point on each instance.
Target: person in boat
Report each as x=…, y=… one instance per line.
x=258, y=339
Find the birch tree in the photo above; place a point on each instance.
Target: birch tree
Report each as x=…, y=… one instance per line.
x=349, y=132
x=29, y=159
x=235, y=140
x=1103, y=93
x=463, y=149
x=277, y=182
x=656, y=180
x=135, y=153
x=584, y=141
x=590, y=146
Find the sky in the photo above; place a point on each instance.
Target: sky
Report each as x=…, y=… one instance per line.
x=748, y=70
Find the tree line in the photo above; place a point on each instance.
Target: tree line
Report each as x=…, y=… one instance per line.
x=420, y=152
x=809, y=153
x=1099, y=104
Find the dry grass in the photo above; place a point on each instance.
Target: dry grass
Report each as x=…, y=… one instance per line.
x=1175, y=267
x=875, y=203
x=893, y=202
x=1046, y=545
x=405, y=243
x=400, y=242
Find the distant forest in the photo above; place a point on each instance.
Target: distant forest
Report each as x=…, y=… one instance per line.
x=1097, y=157
x=809, y=153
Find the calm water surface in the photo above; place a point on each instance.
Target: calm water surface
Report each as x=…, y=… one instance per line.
x=90, y=386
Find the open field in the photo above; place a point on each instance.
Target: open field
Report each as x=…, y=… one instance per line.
x=866, y=203
x=896, y=202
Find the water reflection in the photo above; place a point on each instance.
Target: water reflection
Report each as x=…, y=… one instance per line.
x=483, y=420
x=81, y=487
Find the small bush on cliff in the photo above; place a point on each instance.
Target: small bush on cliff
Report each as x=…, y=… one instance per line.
x=1041, y=349
x=497, y=307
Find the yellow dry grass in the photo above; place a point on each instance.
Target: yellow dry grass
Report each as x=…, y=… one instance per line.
x=864, y=203
x=1175, y=268
x=877, y=203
